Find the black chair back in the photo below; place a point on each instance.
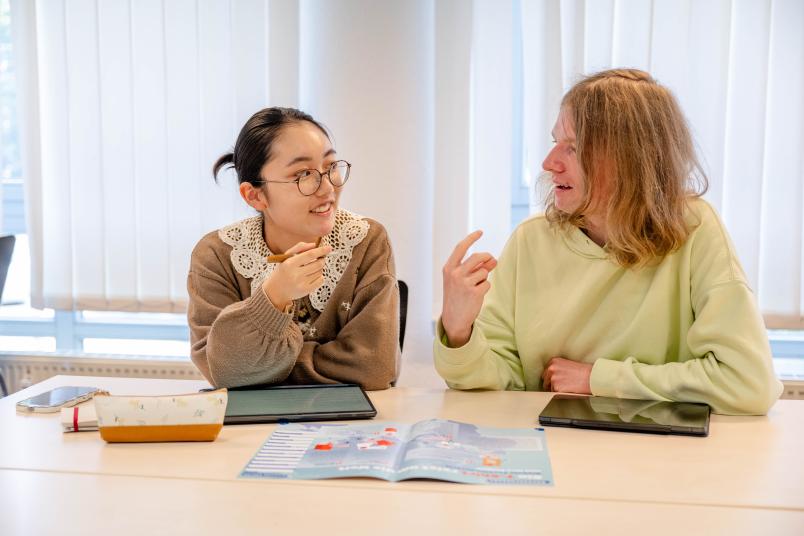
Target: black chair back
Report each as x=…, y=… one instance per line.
x=403, y=311
x=6, y=249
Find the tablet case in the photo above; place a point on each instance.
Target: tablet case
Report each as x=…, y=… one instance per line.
x=626, y=415
x=331, y=414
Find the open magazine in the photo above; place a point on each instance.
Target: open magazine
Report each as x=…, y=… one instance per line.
x=432, y=449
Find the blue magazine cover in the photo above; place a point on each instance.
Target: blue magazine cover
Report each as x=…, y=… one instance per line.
x=432, y=449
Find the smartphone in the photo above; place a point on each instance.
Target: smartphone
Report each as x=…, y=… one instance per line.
x=55, y=399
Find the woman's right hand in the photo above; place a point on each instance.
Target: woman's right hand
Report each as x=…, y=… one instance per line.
x=298, y=275
x=465, y=285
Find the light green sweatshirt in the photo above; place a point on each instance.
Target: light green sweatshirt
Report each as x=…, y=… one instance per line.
x=687, y=329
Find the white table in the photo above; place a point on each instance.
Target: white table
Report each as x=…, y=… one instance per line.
x=746, y=477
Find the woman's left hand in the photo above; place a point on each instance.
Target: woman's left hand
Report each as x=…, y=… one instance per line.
x=567, y=376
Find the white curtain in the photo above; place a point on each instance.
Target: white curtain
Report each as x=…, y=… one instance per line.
x=135, y=100
x=737, y=68
x=475, y=84
x=129, y=102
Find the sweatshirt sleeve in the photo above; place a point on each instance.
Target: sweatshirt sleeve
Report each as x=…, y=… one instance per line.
x=489, y=360
x=236, y=341
x=728, y=364
x=733, y=370
x=366, y=349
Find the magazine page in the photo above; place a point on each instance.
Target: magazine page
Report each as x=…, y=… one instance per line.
x=434, y=449
x=460, y=452
x=315, y=451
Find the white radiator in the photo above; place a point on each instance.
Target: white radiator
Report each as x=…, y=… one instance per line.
x=791, y=372
x=21, y=370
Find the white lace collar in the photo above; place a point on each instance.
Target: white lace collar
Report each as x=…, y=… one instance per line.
x=249, y=251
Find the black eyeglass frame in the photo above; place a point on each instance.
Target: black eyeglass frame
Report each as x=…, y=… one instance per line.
x=320, y=175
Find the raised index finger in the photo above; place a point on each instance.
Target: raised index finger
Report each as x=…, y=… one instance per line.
x=463, y=246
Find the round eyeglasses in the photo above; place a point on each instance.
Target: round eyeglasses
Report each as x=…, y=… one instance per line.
x=309, y=180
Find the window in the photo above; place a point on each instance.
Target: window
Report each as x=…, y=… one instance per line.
x=520, y=181
x=12, y=209
x=23, y=328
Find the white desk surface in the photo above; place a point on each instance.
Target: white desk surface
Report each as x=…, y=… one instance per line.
x=69, y=503
x=750, y=465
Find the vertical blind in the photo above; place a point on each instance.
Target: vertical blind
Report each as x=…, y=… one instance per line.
x=137, y=99
x=737, y=68
x=133, y=100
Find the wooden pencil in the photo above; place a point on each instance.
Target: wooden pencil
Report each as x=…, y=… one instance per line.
x=282, y=257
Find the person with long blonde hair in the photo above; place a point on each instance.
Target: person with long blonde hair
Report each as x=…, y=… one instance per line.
x=627, y=286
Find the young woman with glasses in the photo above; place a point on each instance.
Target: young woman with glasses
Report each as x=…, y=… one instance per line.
x=627, y=286
x=304, y=292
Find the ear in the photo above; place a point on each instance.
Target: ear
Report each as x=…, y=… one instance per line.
x=254, y=196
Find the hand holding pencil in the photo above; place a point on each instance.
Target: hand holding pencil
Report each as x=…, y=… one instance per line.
x=300, y=271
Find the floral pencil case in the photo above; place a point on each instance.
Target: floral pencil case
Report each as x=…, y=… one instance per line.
x=138, y=419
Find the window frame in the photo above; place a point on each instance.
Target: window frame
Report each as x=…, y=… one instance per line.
x=70, y=328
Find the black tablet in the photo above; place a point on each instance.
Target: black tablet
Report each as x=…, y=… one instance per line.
x=294, y=403
x=625, y=415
